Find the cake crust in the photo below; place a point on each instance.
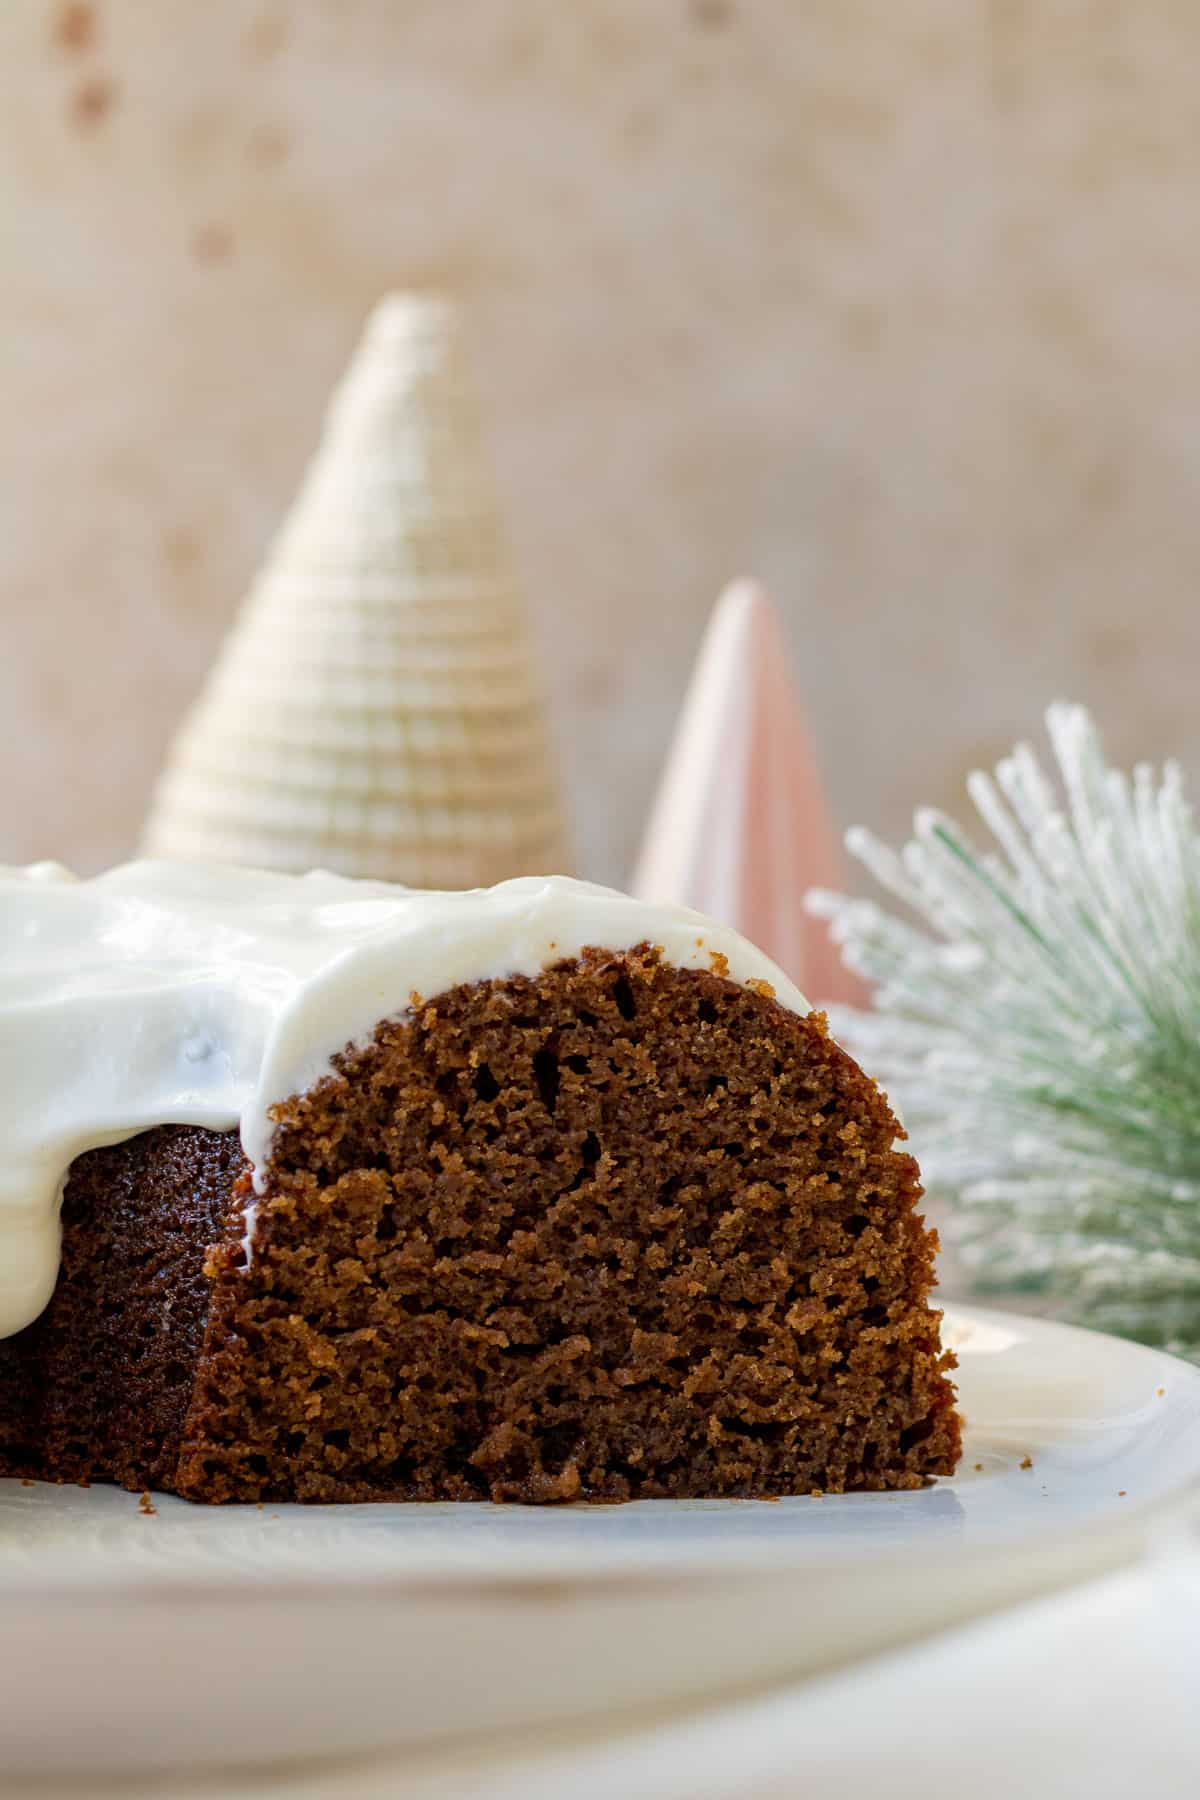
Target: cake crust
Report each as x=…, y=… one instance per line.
x=615, y=1231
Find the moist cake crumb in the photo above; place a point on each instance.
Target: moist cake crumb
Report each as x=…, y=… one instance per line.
x=615, y=1231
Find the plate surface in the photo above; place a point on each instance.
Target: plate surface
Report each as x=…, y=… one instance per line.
x=324, y=1629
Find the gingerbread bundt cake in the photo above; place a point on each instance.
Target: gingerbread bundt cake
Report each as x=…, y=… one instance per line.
x=534, y=1193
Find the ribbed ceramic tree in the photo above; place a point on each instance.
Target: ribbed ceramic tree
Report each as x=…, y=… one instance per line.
x=375, y=709
x=739, y=828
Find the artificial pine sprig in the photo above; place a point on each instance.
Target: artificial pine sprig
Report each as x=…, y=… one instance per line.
x=1037, y=1024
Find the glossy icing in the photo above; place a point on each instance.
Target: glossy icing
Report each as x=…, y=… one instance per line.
x=197, y=994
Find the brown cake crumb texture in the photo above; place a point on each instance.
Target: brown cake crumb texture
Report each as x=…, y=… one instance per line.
x=615, y=1232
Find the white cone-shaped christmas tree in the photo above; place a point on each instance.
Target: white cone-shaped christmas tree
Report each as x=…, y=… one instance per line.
x=375, y=709
x=739, y=828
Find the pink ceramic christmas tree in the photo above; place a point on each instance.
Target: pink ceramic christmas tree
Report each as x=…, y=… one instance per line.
x=739, y=828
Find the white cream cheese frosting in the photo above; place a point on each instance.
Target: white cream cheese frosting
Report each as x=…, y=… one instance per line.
x=169, y=993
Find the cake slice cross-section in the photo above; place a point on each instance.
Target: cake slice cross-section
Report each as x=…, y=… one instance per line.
x=533, y=1194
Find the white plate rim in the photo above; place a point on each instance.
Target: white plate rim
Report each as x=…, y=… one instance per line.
x=84, y=1574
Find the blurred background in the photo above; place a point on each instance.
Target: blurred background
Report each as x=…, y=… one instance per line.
x=892, y=305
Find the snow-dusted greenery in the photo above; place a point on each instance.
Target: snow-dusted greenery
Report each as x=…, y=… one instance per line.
x=1037, y=1024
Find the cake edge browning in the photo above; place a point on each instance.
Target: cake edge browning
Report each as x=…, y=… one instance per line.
x=615, y=1231
x=99, y=1387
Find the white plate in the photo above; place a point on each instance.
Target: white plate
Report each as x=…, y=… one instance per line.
x=238, y=1634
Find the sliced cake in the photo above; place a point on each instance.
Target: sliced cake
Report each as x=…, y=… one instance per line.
x=534, y=1193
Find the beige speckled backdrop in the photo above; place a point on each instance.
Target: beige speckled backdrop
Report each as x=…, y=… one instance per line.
x=895, y=304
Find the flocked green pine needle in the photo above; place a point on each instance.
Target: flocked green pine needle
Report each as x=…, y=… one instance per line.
x=1037, y=1023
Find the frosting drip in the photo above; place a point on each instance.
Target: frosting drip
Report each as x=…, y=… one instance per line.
x=191, y=994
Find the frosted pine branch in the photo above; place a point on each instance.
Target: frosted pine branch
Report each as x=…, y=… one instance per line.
x=1037, y=1023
